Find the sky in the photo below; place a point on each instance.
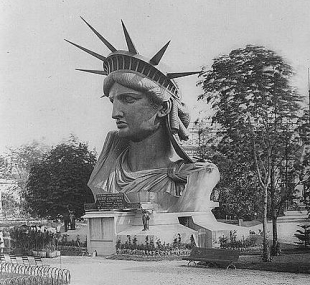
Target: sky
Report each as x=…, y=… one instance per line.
x=43, y=97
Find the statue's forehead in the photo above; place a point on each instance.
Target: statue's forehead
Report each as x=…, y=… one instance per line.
x=118, y=89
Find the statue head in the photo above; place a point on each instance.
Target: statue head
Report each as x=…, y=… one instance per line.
x=137, y=109
x=127, y=71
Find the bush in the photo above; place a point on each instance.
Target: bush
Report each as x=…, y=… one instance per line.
x=28, y=238
x=231, y=242
x=303, y=235
x=154, y=248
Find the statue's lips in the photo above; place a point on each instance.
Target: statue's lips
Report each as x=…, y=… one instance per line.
x=121, y=125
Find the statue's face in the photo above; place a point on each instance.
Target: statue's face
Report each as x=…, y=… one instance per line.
x=136, y=117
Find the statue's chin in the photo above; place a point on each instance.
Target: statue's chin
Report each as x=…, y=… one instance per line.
x=137, y=137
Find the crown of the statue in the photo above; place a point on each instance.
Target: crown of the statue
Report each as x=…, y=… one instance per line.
x=119, y=60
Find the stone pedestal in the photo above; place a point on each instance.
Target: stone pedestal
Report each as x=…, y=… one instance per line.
x=105, y=228
x=162, y=226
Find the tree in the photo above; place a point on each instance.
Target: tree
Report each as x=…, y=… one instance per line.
x=304, y=162
x=305, y=178
x=10, y=204
x=15, y=167
x=254, y=102
x=303, y=235
x=237, y=192
x=57, y=185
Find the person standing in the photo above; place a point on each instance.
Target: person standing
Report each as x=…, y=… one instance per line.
x=1, y=242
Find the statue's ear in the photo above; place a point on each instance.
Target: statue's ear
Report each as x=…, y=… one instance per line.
x=165, y=109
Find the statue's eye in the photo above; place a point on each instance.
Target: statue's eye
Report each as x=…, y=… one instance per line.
x=129, y=99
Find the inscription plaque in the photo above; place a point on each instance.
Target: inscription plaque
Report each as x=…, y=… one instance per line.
x=111, y=201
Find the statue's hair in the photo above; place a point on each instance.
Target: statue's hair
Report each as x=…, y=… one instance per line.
x=137, y=82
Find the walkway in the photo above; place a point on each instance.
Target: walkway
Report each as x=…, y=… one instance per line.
x=99, y=271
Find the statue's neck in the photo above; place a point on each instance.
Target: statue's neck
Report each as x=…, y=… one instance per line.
x=153, y=152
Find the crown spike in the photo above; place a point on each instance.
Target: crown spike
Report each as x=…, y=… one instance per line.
x=101, y=57
x=108, y=45
x=181, y=74
x=130, y=45
x=157, y=57
x=100, y=72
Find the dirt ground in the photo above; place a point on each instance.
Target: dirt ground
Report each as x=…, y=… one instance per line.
x=99, y=270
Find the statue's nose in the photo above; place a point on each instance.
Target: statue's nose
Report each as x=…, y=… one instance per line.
x=116, y=112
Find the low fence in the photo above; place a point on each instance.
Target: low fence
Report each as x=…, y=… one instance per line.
x=33, y=274
x=27, y=280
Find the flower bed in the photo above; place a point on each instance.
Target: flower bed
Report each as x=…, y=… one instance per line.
x=154, y=249
x=70, y=250
x=156, y=252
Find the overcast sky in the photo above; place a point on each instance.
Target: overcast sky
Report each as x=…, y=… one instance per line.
x=44, y=98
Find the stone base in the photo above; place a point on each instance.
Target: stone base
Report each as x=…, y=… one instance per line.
x=162, y=226
x=105, y=228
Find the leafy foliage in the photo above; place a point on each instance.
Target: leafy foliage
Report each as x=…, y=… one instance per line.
x=32, y=238
x=303, y=235
x=17, y=162
x=232, y=242
x=238, y=191
x=304, y=163
x=256, y=106
x=10, y=205
x=14, y=168
x=58, y=183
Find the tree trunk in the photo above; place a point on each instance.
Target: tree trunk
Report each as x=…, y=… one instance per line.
x=275, y=244
x=266, y=249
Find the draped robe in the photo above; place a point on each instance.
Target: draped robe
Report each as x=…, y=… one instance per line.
x=161, y=187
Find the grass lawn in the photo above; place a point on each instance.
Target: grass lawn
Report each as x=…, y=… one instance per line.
x=292, y=259
x=286, y=262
